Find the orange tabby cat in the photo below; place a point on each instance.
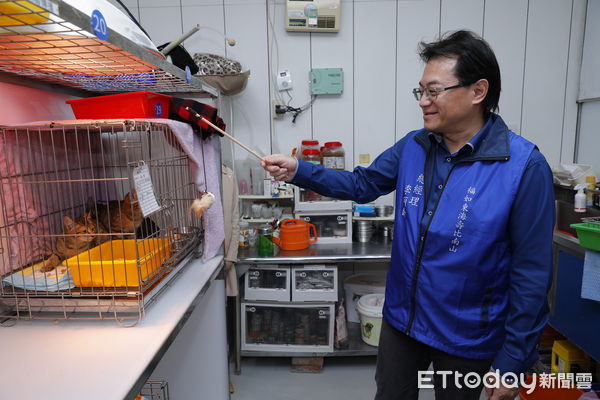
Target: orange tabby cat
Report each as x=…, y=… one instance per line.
x=120, y=216
x=80, y=235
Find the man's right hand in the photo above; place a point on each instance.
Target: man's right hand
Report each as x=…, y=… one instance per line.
x=280, y=166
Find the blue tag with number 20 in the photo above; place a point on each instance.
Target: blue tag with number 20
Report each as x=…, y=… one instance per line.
x=99, y=25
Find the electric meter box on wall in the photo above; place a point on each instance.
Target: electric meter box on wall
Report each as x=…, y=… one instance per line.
x=326, y=81
x=312, y=16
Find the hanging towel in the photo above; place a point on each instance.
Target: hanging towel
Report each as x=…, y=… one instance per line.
x=590, y=283
x=205, y=161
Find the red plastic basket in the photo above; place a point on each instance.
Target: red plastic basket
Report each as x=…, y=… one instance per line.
x=124, y=105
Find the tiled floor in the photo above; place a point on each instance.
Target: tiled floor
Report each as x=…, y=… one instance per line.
x=342, y=378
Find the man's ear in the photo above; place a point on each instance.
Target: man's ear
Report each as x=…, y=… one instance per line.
x=480, y=90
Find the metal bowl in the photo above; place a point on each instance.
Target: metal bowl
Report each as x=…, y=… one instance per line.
x=384, y=211
x=184, y=235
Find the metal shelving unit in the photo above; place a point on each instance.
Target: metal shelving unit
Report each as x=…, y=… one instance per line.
x=51, y=41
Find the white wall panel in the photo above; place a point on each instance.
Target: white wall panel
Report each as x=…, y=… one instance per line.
x=206, y=40
x=163, y=24
x=462, y=14
x=159, y=3
x=246, y=22
x=128, y=3
x=375, y=64
x=201, y=3
x=375, y=80
x=589, y=137
x=132, y=6
x=418, y=20
x=333, y=114
x=590, y=82
x=509, y=46
x=574, y=68
x=291, y=51
x=545, y=75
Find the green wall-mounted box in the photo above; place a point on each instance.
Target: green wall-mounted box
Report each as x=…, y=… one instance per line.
x=326, y=81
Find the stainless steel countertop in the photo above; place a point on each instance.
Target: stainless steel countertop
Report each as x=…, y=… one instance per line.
x=569, y=243
x=375, y=250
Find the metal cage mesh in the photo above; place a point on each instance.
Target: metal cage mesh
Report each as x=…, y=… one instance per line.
x=82, y=173
x=154, y=390
x=37, y=43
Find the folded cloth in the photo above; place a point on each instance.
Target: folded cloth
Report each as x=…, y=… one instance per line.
x=179, y=112
x=31, y=278
x=590, y=282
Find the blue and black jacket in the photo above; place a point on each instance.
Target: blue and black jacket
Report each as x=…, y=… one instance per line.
x=471, y=262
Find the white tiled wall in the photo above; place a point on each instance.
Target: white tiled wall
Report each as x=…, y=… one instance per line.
x=538, y=44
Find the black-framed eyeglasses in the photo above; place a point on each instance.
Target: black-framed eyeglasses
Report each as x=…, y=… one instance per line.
x=432, y=94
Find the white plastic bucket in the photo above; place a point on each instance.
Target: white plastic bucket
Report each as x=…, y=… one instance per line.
x=358, y=285
x=370, y=308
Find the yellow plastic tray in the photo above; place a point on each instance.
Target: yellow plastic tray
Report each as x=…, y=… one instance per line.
x=115, y=263
x=21, y=13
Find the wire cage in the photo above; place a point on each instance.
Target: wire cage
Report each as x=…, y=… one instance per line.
x=79, y=237
x=154, y=390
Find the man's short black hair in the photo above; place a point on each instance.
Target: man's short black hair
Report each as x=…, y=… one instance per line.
x=475, y=60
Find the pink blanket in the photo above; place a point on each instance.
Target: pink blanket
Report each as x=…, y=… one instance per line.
x=32, y=208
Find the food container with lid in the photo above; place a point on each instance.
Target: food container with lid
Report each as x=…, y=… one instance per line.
x=333, y=156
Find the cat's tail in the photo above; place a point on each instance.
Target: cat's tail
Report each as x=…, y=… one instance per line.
x=50, y=263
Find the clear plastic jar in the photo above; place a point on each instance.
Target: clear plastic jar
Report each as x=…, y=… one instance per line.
x=244, y=234
x=334, y=156
x=312, y=156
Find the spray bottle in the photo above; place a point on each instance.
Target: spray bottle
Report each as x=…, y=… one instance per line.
x=580, y=199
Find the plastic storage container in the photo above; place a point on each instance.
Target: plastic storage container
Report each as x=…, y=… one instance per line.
x=115, y=263
x=304, y=327
x=588, y=234
x=332, y=226
x=370, y=309
x=309, y=144
x=312, y=156
x=566, y=357
x=124, y=105
x=333, y=156
x=359, y=285
x=267, y=282
x=314, y=283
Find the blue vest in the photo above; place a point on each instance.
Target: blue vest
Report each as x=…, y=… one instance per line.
x=447, y=286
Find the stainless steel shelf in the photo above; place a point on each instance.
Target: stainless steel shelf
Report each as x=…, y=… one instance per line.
x=58, y=48
x=263, y=197
x=375, y=250
x=390, y=218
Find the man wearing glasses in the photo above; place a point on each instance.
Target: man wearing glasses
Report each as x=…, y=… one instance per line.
x=472, y=253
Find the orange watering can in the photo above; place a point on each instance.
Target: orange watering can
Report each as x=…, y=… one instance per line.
x=294, y=234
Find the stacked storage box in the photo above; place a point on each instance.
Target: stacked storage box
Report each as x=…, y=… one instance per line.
x=289, y=308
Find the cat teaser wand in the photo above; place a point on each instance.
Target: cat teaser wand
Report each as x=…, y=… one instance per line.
x=225, y=134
